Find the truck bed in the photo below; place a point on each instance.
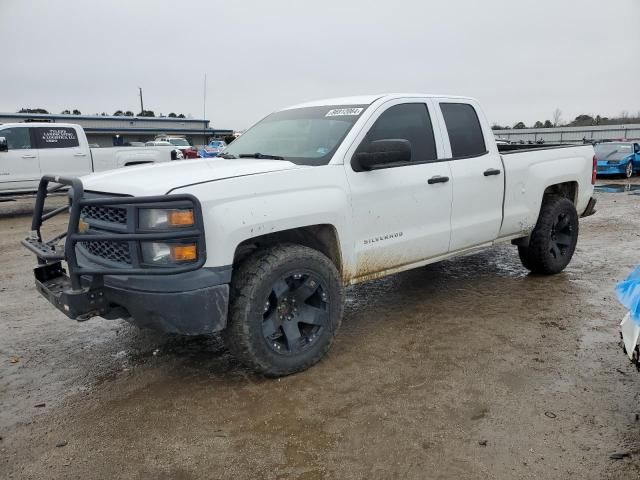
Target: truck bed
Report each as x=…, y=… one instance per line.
x=530, y=169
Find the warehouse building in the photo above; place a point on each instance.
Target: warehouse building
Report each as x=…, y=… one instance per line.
x=570, y=134
x=107, y=131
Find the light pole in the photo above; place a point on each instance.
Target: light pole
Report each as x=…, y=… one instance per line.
x=141, y=104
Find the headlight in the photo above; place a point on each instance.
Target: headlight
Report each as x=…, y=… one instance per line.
x=160, y=218
x=168, y=253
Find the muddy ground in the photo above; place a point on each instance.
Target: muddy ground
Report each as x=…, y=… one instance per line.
x=470, y=368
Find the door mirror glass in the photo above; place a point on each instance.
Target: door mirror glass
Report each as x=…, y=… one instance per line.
x=381, y=153
x=4, y=146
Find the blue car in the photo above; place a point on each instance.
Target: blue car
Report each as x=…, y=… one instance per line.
x=211, y=150
x=618, y=158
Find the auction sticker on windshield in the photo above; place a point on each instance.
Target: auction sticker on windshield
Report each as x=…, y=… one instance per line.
x=337, y=112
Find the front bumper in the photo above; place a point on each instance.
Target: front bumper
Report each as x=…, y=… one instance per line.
x=192, y=303
x=193, y=312
x=185, y=299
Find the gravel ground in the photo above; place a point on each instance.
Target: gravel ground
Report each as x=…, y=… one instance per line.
x=465, y=369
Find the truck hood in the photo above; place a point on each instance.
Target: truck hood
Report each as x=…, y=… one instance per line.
x=159, y=179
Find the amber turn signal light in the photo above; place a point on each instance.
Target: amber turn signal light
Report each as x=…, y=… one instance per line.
x=184, y=253
x=180, y=218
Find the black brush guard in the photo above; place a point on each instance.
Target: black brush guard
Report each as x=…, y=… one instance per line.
x=80, y=299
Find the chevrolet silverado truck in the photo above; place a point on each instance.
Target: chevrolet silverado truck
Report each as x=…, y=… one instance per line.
x=30, y=150
x=260, y=243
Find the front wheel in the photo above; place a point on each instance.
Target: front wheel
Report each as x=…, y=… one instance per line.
x=553, y=239
x=628, y=171
x=286, y=307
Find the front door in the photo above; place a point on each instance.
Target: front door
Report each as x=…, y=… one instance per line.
x=478, y=176
x=19, y=165
x=400, y=212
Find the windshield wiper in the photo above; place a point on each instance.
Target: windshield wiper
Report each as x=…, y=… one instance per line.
x=261, y=155
x=226, y=156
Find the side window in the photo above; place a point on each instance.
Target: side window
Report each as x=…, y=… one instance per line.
x=56, y=137
x=463, y=126
x=18, y=138
x=407, y=121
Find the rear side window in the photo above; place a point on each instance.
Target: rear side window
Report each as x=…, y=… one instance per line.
x=18, y=138
x=56, y=137
x=407, y=121
x=463, y=126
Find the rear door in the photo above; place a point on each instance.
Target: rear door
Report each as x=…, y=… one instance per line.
x=19, y=165
x=60, y=151
x=477, y=174
x=636, y=157
x=400, y=212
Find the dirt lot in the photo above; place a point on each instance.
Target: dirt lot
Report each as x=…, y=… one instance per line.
x=465, y=369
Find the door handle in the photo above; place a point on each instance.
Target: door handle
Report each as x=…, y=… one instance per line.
x=28, y=156
x=437, y=179
x=79, y=154
x=491, y=171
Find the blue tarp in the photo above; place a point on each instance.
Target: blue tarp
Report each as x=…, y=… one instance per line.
x=629, y=294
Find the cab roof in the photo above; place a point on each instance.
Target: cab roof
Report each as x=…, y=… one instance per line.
x=369, y=99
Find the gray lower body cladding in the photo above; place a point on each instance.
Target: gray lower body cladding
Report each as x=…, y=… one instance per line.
x=192, y=312
x=191, y=303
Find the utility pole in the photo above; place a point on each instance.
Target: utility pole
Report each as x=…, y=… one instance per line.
x=141, y=104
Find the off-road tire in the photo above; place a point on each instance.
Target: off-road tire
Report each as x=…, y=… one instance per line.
x=253, y=282
x=544, y=255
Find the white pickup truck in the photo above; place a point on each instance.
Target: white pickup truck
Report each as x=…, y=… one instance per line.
x=259, y=244
x=30, y=150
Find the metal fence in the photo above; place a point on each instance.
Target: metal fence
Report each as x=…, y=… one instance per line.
x=570, y=134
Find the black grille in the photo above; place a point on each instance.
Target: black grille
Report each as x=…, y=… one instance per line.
x=105, y=214
x=114, y=251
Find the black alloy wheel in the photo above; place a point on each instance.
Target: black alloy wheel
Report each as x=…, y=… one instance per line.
x=561, y=236
x=295, y=312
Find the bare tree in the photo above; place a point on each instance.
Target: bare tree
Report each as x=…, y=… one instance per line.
x=557, y=117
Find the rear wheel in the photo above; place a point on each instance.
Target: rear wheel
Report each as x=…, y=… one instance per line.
x=286, y=307
x=628, y=171
x=554, y=238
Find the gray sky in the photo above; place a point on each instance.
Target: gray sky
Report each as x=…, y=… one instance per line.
x=521, y=59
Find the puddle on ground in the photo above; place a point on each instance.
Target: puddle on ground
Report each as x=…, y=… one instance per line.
x=617, y=188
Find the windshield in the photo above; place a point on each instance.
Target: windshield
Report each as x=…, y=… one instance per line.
x=613, y=151
x=306, y=136
x=179, y=142
x=216, y=144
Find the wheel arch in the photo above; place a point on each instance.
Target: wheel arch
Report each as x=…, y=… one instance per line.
x=322, y=237
x=568, y=190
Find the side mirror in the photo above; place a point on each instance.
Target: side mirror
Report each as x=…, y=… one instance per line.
x=383, y=152
x=4, y=146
